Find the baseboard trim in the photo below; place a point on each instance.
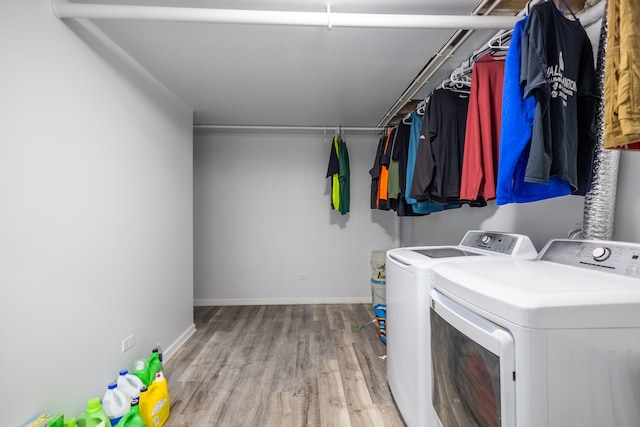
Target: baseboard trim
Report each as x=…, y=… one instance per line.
x=280, y=301
x=175, y=346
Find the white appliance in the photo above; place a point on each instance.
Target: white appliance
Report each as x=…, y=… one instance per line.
x=549, y=342
x=407, y=321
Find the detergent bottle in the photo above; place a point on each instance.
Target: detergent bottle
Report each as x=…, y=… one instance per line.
x=159, y=352
x=71, y=422
x=132, y=419
x=47, y=420
x=129, y=384
x=141, y=370
x=94, y=416
x=155, y=402
x=161, y=383
x=115, y=403
x=154, y=363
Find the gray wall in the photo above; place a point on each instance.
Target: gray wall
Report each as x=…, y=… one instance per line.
x=627, y=211
x=97, y=217
x=541, y=221
x=265, y=232
x=96, y=189
x=263, y=221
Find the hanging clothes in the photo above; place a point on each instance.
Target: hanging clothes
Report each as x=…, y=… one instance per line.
x=333, y=170
x=481, y=143
x=422, y=207
x=515, y=136
x=557, y=68
x=414, y=139
x=383, y=185
x=400, y=155
x=344, y=176
x=622, y=76
x=339, y=172
x=393, y=188
x=374, y=172
x=424, y=166
x=447, y=121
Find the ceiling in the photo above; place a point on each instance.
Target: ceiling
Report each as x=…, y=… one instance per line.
x=270, y=75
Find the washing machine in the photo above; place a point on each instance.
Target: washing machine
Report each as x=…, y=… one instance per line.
x=550, y=342
x=407, y=299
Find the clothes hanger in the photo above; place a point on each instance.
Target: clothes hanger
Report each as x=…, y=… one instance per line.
x=458, y=81
x=459, y=87
x=560, y=10
x=422, y=107
x=569, y=9
x=443, y=84
x=500, y=42
x=529, y=6
x=460, y=76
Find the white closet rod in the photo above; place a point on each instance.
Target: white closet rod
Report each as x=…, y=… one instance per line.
x=587, y=17
x=440, y=58
x=63, y=9
x=290, y=128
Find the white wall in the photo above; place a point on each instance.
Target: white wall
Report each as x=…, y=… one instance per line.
x=265, y=231
x=541, y=221
x=97, y=216
x=262, y=220
x=627, y=210
x=96, y=192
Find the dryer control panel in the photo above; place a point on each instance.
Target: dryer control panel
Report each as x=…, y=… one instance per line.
x=503, y=243
x=611, y=257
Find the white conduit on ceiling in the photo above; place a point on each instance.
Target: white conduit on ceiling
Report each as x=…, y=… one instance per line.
x=289, y=128
x=265, y=17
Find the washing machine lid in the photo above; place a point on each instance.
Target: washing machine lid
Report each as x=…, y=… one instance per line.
x=427, y=254
x=565, y=287
x=446, y=252
x=474, y=243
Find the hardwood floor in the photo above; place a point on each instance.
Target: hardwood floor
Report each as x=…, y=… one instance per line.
x=286, y=365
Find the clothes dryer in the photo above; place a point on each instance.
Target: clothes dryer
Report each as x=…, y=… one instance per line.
x=550, y=342
x=407, y=321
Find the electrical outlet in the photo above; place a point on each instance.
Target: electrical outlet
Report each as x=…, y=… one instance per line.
x=127, y=343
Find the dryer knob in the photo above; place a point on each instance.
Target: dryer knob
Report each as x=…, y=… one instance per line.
x=486, y=239
x=601, y=254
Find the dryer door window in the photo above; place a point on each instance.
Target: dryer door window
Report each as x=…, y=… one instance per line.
x=472, y=361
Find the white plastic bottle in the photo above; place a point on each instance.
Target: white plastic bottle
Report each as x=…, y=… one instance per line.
x=129, y=384
x=115, y=403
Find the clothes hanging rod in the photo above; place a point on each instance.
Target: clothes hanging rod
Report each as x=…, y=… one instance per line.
x=66, y=10
x=587, y=17
x=438, y=61
x=288, y=128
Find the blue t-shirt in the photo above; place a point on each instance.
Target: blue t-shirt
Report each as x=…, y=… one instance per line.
x=515, y=136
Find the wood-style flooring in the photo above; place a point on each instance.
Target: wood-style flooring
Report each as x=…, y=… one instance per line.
x=281, y=365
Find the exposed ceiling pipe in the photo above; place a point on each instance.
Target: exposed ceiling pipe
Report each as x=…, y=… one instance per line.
x=205, y=127
x=268, y=17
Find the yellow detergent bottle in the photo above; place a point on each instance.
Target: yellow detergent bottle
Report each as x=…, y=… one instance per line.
x=155, y=402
